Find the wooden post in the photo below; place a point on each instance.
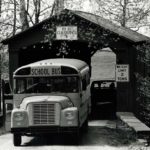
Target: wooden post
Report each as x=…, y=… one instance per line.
x=3, y=100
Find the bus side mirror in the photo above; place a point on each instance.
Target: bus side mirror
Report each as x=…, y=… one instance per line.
x=84, y=85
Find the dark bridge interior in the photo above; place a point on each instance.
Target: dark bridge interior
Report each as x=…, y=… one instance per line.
x=57, y=49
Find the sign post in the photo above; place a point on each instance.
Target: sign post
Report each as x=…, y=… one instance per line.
x=122, y=73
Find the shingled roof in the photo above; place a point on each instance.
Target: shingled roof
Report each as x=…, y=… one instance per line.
x=103, y=23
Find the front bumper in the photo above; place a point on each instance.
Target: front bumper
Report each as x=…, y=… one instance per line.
x=44, y=130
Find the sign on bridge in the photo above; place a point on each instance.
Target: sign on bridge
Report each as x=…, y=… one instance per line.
x=122, y=73
x=66, y=33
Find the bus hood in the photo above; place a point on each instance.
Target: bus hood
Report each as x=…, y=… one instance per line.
x=64, y=101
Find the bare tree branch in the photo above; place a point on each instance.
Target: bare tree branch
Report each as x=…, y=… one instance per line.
x=31, y=17
x=126, y=12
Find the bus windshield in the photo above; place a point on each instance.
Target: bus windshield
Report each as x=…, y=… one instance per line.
x=67, y=84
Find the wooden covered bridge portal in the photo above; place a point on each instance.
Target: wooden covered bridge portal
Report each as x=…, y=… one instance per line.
x=76, y=34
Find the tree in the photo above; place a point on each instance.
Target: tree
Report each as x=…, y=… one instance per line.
x=15, y=17
x=23, y=15
x=8, y=21
x=37, y=10
x=37, y=5
x=127, y=13
x=0, y=6
x=74, y=4
x=58, y=6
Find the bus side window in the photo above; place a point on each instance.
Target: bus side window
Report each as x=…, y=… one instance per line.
x=84, y=84
x=21, y=87
x=88, y=78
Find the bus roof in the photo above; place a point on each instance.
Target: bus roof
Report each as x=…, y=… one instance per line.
x=73, y=63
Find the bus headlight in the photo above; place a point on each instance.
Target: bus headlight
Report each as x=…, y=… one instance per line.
x=19, y=116
x=69, y=115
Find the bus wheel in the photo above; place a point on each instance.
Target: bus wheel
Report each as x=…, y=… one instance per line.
x=17, y=139
x=76, y=137
x=85, y=126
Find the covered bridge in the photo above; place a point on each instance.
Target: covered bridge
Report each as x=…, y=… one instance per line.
x=77, y=34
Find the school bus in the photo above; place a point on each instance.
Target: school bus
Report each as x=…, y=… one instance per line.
x=50, y=96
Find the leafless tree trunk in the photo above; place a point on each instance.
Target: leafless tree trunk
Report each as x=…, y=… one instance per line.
x=23, y=16
x=123, y=23
x=14, y=24
x=0, y=7
x=58, y=6
x=37, y=5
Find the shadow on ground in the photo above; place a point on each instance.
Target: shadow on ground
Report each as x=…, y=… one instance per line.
x=97, y=136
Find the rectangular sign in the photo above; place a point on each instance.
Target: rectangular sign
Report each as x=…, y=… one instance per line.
x=46, y=71
x=66, y=33
x=122, y=73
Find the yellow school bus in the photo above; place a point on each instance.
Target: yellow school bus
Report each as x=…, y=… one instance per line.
x=50, y=96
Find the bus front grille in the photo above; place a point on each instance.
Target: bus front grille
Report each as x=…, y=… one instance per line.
x=44, y=114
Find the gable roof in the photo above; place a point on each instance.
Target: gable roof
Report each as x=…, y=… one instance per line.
x=101, y=22
x=106, y=24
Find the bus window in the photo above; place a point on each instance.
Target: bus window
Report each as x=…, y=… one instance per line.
x=88, y=78
x=29, y=83
x=72, y=84
x=58, y=85
x=21, y=86
x=84, y=84
x=68, y=84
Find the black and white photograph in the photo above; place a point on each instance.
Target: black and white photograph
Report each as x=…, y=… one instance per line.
x=75, y=74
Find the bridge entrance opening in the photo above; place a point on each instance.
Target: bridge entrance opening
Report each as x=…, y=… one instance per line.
x=103, y=84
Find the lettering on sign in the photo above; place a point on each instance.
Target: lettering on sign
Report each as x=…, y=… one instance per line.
x=56, y=71
x=122, y=73
x=66, y=33
x=45, y=71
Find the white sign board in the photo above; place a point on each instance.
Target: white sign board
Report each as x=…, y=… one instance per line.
x=122, y=73
x=66, y=33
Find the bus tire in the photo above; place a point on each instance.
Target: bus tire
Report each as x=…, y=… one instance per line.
x=76, y=137
x=85, y=126
x=17, y=139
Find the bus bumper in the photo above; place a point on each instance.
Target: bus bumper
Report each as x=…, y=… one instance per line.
x=44, y=130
